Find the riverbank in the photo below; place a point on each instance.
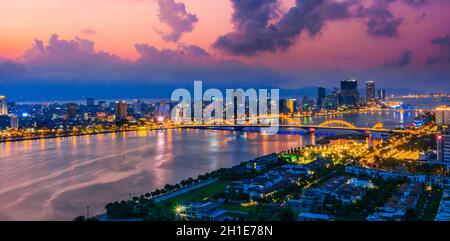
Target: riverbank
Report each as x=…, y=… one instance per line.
x=81, y=134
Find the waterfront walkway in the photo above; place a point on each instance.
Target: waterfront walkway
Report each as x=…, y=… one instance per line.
x=182, y=191
x=104, y=217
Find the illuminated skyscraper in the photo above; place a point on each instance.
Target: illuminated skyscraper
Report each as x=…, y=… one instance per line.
x=137, y=107
x=121, y=110
x=349, y=92
x=443, y=144
x=3, y=106
x=321, y=94
x=370, y=91
x=14, y=122
x=72, y=110
x=90, y=102
x=381, y=94
x=442, y=115
x=288, y=106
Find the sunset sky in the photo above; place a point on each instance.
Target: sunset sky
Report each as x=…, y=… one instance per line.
x=127, y=45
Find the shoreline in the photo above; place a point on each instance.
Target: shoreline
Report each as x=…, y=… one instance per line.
x=80, y=134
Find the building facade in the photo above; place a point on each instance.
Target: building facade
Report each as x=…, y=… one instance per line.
x=370, y=91
x=443, y=144
x=381, y=94
x=72, y=109
x=121, y=110
x=442, y=115
x=321, y=94
x=349, y=92
x=3, y=106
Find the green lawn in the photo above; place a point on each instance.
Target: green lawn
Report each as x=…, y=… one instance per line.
x=199, y=194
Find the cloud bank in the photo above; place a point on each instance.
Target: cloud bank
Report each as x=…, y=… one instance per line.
x=176, y=17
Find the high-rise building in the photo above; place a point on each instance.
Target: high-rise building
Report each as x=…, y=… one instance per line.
x=331, y=101
x=442, y=115
x=288, y=106
x=381, y=94
x=305, y=104
x=72, y=109
x=90, y=102
x=370, y=91
x=443, y=144
x=102, y=105
x=14, y=122
x=349, y=92
x=321, y=94
x=121, y=110
x=137, y=107
x=3, y=106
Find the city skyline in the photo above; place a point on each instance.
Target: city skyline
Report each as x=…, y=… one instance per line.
x=225, y=110
x=168, y=44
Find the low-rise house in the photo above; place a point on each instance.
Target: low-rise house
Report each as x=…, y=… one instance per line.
x=443, y=213
x=385, y=175
x=312, y=200
x=406, y=197
x=204, y=211
x=261, y=163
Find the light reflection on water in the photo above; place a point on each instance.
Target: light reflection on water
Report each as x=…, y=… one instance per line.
x=55, y=179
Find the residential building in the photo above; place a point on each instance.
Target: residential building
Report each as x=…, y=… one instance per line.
x=321, y=95
x=121, y=111
x=3, y=106
x=201, y=211
x=349, y=93
x=443, y=146
x=442, y=115
x=370, y=91
x=381, y=94
x=443, y=213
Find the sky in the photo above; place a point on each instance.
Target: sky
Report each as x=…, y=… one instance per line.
x=147, y=48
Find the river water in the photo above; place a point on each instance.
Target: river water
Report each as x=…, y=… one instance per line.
x=55, y=179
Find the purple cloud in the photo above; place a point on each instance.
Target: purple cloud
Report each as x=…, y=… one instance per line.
x=176, y=17
x=76, y=61
x=379, y=20
x=401, y=61
x=254, y=30
x=417, y=3
x=259, y=25
x=443, y=43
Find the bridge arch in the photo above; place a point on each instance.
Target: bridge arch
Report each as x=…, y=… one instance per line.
x=378, y=125
x=331, y=123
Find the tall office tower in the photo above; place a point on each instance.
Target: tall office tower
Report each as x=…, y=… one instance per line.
x=288, y=106
x=305, y=104
x=72, y=110
x=442, y=115
x=370, y=91
x=381, y=94
x=349, y=92
x=121, y=110
x=90, y=102
x=3, y=106
x=321, y=94
x=102, y=105
x=137, y=107
x=14, y=122
x=443, y=144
